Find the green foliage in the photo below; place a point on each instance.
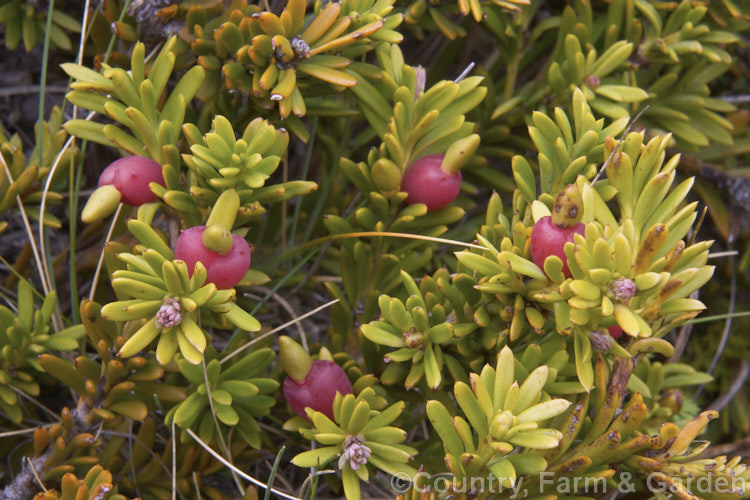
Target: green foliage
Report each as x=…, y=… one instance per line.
x=24, y=21
x=235, y=396
x=431, y=330
x=219, y=161
x=24, y=172
x=25, y=333
x=267, y=55
x=357, y=424
x=469, y=356
x=132, y=99
x=153, y=280
x=506, y=417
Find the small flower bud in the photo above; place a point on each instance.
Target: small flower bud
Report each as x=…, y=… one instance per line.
x=295, y=360
x=101, y=204
x=623, y=289
x=413, y=339
x=301, y=48
x=355, y=452
x=168, y=314
x=672, y=399
x=421, y=81
x=592, y=82
x=500, y=424
x=601, y=342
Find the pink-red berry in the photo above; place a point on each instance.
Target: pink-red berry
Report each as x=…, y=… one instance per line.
x=548, y=239
x=615, y=331
x=225, y=271
x=107, y=177
x=319, y=388
x=131, y=176
x=426, y=182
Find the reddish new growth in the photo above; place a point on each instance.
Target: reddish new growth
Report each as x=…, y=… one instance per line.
x=131, y=177
x=426, y=182
x=226, y=270
x=318, y=389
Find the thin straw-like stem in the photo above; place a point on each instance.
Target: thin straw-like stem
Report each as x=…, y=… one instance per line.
x=101, y=257
x=277, y=329
x=239, y=472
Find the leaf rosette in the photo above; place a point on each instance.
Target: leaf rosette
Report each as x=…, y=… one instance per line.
x=361, y=438
x=25, y=173
x=160, y=291
x=503, y=423
x=434, y=329
x=219, y=161
x=24, y=335
x=236, y=395
x=633, y=266
x=275, y=58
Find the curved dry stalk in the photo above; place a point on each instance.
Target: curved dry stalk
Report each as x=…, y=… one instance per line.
x=45, y=267
x=29, y=231
x=223, y=443
x=381, y=234
x=619, y=143
x=240, y=473
x=277, y=329
x=734, y=388
x=36, y=403
x=98, y=271
x=31, y=89
x=727, y=322
x=82, y=44
x=288, y=307
x=18, y=432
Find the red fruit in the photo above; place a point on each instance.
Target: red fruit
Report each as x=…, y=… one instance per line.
x=548, y=239
x=615, y=331
x=225, y=271
x=426, y=182
x=131, y=176
x=318, y=390
x=107, y=176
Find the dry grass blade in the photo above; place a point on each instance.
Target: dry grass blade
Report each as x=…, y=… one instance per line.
x=380, y=234
x=240, y=473
x=288, y=307
x=36, y=475
x=174, y=463
x=17, y=433
x=277, y=329
x=734, y=388
x=98, y=271
x=619, y=143
x=29, y=231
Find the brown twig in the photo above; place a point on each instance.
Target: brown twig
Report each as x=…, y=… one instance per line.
x=22, y=486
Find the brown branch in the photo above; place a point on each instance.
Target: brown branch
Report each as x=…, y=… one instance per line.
x=24, y=484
